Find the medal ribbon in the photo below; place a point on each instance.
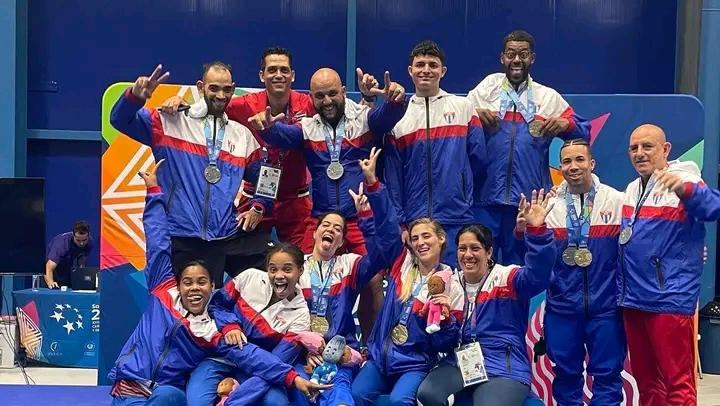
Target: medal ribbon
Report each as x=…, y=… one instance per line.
x=648, y=188
x=214, y=146
x=472, y=316
x=334, y=149
x=578, y=227
x=320, y=289
x=281, y=153
x=508, y=93
x=407, y=306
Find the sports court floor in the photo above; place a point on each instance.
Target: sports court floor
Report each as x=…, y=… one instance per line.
x=72, y=394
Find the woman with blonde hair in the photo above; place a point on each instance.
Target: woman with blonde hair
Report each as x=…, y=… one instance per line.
x=401, y=351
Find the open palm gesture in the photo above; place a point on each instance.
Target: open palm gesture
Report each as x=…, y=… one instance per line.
x=144, y=86
x=535, y=211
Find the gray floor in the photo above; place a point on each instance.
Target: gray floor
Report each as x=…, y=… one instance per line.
x=709, y=388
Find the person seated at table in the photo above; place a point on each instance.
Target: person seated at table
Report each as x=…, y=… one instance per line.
x=403, y=348
x=175, y=333
x=65, y=251
x=490, y=365
x=332, y=282
x=265, y=308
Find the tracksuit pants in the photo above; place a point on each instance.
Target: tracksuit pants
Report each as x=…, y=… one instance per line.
x=339, y=394
x=371, y=383
x=566, y=339
x=662, y=357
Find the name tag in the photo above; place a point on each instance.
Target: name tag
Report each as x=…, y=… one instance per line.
x=268, y=182
x=471, y=362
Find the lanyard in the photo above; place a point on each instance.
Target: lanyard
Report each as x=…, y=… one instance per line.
x=508, y=93
x=214, y=144
x=648, y=188
x=578, y=227
x=334, y=149
x=466, y=307
x=407, y=306
x=281, y=153
x=320, y=290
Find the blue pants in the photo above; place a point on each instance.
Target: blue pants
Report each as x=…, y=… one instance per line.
x=163, y=395
x=202, y=387
x=566, y=337
x=370, y=384
x=340, y=394
x=501, y=220
x=449, y=256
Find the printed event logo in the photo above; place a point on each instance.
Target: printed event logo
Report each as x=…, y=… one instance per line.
x=69, y=317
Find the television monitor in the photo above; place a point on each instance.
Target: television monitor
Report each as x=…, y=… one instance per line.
x=22, y=215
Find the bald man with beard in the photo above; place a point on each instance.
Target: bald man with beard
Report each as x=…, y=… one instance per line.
x=661, y=261
x=340, y=134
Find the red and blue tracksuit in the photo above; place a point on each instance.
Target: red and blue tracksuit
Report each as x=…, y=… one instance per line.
x=244, y=304
x=195, y=207
x=659, y=282
x=168, y=342
x=344, y=277
x=399, y=369
x=432, y=158
x=500, y=316
x=517, y=161
x=363, y=127
x=292, y=205
x=581, y=307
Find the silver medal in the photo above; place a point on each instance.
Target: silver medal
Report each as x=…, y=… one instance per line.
x=212, y=174
x=335, y=170
x=625, y=235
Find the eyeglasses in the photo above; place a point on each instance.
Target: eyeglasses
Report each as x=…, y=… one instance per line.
x=511, y=54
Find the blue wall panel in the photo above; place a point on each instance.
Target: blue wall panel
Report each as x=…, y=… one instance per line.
x=72, y=185
x=583, y=46
x=78, y=49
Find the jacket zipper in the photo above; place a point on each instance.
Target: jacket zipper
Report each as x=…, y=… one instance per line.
x=586, y=291
x=207, y=188
x=508, y=177
x=659, y=271
x=337, y=182
x=170, y=197
x=508, y=351
x=165, y=352
x=428, y=151
x=125, y=356
x=624, y=274
x=464, y=191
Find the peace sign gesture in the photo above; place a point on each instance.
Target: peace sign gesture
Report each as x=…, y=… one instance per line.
x=145, y=86
x=391, y=90
x=265, y=120
x=150, y=178
x=537, y=210
x=368, y=165
x=361, y=201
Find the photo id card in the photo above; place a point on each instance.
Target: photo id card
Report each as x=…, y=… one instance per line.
x=268, y=182
x=471, y=362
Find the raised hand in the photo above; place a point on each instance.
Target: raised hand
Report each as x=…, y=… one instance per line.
x=537, y=210
x=520, y=222
x=670, y=182
x=361, y=201
x=265, y=120
x=150, y=178
x=391, y=90
x=144, y=86
x=366, y=82
x=368, y=165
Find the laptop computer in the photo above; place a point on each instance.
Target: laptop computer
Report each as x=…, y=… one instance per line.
x=84, y=278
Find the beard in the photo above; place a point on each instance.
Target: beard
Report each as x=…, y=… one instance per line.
x=215, y=107
x=333, y=120
x=515, y=78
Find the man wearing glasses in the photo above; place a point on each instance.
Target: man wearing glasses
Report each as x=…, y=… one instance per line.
x=65, y=251
x=520, y=118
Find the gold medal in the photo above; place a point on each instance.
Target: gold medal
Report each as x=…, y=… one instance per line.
x=319, y=325
x=583, y=257
x=534, y=128
x=399, y=334
x=568, y=256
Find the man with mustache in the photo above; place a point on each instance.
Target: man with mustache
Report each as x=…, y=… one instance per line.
x=207, y=158
x=661, y=254
x=520, y=118
x=334, y=140
x=581, y=313
x=435, y=151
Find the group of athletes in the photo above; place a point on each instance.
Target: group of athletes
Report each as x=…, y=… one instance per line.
x=402, y=189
